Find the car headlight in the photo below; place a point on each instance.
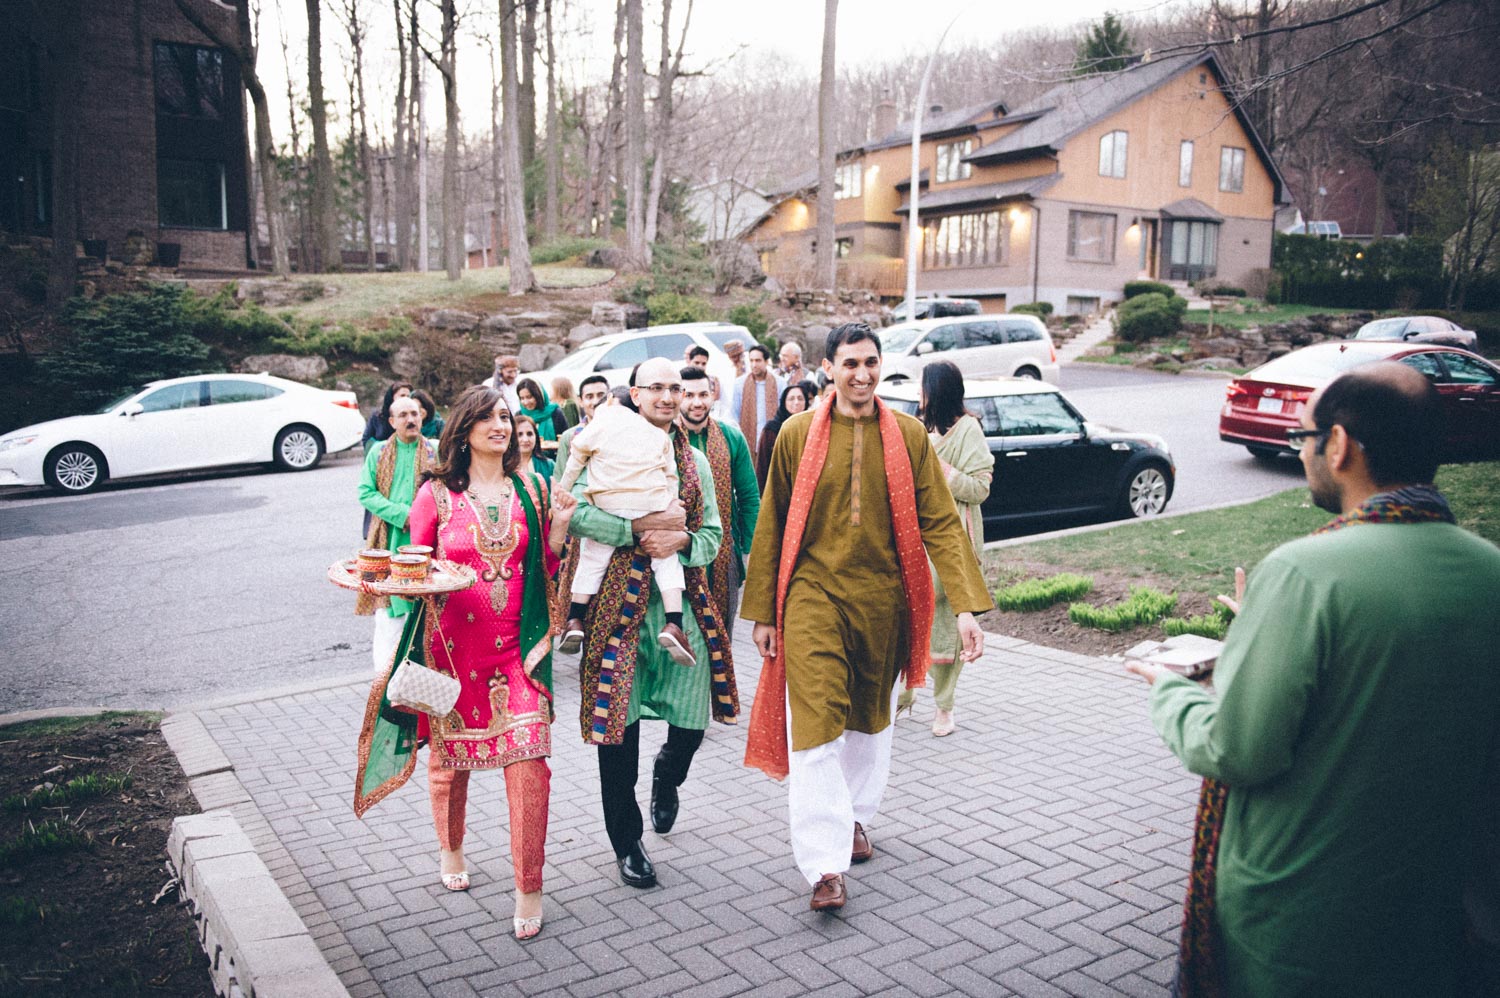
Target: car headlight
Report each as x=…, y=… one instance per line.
x=12, y=443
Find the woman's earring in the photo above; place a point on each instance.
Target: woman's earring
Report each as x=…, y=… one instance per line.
x=464, y=447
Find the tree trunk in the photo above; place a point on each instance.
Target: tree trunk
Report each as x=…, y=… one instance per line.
x=67, y=55
x=357, y=42
x=245, y=51
x=637, y=250
x=453, y=209
x=521, y=278
x=325, y=215
x=826, y=261
x=609, y=159
x=298, y=192
x=399, y=160
x=497, y=190
x=666, y=78
x=554, y=140
x=527, y=93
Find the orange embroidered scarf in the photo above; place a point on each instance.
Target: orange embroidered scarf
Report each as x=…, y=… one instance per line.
x=767, y=747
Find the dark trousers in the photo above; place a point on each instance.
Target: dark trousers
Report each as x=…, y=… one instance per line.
x=619, y=766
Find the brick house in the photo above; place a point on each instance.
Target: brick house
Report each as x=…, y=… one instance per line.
x=161, y=128
x=1146, y=172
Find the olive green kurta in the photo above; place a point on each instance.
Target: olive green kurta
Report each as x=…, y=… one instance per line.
x=846, y=616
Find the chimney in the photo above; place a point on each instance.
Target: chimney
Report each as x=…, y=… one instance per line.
x=885, y=116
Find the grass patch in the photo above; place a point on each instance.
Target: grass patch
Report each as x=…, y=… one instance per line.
x=1143, y=606
x=48, y=726
x=1038, y=594
x=47, y=838
x=1198, y=552
x=1263, y=314
x=76, y=790
x=1214, y=624
x=367, y=296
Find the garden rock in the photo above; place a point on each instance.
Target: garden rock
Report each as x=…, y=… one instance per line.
x=531, y=320
x=285, y=365
x=278, y=292
x=814, y=343
x=406, y=362
x=540, y=356
x=612, y=257
x=584, y=332
x=1220, y=346
x=608, y=316
x=496, y=324
x=452, y=318
x=1212, y=364
x=636, y=316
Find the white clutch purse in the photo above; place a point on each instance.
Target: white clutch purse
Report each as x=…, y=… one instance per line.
x=415, y=686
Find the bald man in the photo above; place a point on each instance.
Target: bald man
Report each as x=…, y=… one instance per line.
x=1346, y=740
x=625, y=674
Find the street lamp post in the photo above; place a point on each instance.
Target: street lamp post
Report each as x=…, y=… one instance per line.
x=913, y=231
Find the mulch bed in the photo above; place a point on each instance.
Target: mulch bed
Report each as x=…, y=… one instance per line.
x=78, y=916
x=1052, y=628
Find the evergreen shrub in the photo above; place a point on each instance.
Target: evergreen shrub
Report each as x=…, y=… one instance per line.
x=1038, y=594
x=1144, y=606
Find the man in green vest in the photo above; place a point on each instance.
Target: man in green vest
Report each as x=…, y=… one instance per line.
x=1353, y=714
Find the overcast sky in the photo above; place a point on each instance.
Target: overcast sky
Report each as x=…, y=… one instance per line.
x=869, y=31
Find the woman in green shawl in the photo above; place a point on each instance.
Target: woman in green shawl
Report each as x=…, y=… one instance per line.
x=548, y=417
x=969, y=467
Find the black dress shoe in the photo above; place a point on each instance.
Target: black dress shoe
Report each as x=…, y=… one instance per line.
x=636, y=869
x=663, y=805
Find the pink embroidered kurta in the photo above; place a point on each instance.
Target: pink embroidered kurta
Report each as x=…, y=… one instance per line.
x=502, y=715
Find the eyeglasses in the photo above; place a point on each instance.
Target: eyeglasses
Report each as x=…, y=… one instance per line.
x=1296, y=437
x=661, y=389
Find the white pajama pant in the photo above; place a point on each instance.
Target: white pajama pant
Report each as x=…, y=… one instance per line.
x=829, y=788
x=593, y=560
x=387, y=637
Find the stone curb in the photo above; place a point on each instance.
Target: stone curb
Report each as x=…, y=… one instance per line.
x=257, y=944
x=1089, y=528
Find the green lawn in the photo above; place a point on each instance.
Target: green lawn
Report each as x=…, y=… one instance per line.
x=1198, y=552
x=1265, y=314
x=366, y=296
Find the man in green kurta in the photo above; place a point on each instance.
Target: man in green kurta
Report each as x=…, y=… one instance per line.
x=1354, y=711
x=661, y=689
x=386, y=489
x=843, y=553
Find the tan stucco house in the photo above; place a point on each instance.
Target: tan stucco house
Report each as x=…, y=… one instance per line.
x=1147, y=172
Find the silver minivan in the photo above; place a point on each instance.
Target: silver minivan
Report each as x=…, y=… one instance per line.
x=983, y=346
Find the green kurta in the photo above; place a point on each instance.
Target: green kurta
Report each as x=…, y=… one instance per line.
x=846, y=617
x=746, y=500
x=392, y=510
x=663, y=689
x=1355, y=709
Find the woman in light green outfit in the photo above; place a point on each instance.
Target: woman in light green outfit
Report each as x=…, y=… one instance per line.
x=969, y=467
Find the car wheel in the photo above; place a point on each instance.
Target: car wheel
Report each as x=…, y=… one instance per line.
x=74, y=469
x=298, y=448
x=1264, y=453
x=1146, y=493
x=1029, y=373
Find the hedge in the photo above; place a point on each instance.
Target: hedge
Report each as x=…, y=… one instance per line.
x=1134, y=289
x=1041, y=309
x=1148, y=317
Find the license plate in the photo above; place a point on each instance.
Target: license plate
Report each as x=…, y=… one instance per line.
x=1269, y=405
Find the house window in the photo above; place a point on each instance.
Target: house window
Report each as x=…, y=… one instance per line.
x=1091, y=237
x=189, y=81
x=1112, y=154
x=191, y=194
x=847, y=181
x=950, y=161
x=1081, y=305
x=1231, y=169
x=1194, y=248
x=972, y=240
x=1185, y=165
x=843, y=247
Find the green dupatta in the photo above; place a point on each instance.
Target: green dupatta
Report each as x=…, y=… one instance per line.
x=388, y=738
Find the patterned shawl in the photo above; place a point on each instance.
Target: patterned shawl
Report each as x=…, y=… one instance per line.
x=1198, y=956
x=766, y=747
x=716, y=449
x=607, y=668
x=365, y=604
x=749, y=422
x=388, y=737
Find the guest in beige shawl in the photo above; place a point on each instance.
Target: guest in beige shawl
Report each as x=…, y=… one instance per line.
x=969, y=467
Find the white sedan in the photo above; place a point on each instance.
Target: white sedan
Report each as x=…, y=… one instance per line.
x=614, y=355
x=182, y=423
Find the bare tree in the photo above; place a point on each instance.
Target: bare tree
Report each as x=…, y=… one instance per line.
x=400, y=160
x=324, y=211
x=661, y=143
x=637, y=249
x=554, y=139
x=356, y=31
x=66, y=49
x=609, y=157
x=522, y=279
x=527, y=82
x=244, y=48
x=827, y=272
x=453, y=212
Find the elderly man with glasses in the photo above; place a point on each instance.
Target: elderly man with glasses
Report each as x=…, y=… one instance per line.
x=1349, y=743
x=626, y=675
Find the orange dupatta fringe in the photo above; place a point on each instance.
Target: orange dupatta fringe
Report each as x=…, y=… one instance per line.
x=766, y=746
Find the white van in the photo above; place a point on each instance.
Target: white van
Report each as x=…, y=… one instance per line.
x=983, y=346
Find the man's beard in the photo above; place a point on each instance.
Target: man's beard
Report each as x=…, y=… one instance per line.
x=696, y=424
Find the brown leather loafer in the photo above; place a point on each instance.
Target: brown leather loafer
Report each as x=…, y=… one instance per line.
x=572, y=637
x=828, y=893
x=675, y=642
x=862, y=849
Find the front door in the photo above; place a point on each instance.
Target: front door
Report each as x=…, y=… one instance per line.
x=1191, y=250
x=1150, y=249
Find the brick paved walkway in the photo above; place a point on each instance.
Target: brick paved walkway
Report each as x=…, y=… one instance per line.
x=1039, y=850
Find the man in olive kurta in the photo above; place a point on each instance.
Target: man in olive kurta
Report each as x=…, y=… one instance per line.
x=1354, y=712
x=662, y=689
x=846, y=618
x=392, y=505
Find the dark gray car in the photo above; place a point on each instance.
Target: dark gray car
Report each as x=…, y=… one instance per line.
x=1419, y=329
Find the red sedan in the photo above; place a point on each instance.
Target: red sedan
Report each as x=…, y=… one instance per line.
x=1259, y=407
